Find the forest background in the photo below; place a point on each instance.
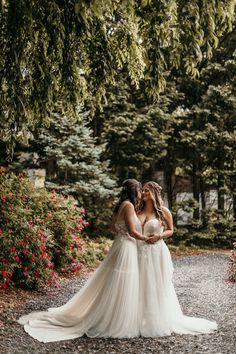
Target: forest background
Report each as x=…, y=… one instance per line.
x=98, y=92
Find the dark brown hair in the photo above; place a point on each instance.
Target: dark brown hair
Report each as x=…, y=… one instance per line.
x=156, y=190
x=129, y=191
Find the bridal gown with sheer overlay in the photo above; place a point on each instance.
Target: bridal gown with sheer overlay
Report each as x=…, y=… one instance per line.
x=107, y=305
x=159, y=308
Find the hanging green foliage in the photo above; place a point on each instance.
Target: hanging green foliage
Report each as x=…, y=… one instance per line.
x=61, y=53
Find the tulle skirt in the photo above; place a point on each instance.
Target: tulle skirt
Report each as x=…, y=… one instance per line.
x=107, y=305
x=159, y=308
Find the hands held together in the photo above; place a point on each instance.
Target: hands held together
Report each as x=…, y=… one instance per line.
x=153, y=238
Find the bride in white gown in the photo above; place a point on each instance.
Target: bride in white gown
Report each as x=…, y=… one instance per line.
x=160, y=311
x=108, y=304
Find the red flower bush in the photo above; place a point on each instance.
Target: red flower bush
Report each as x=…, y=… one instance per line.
x=40, y=231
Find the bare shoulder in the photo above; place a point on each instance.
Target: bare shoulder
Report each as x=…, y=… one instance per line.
x=127, y=209
x=127, y=205
x=166, y=211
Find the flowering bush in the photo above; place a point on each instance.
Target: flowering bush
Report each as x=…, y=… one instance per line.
x=232, y=265
x=39, y=233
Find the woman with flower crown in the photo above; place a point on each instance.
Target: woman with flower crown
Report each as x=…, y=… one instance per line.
x=108, y=304
x=160, y=311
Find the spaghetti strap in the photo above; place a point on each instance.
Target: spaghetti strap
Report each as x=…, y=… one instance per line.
x=120, y=210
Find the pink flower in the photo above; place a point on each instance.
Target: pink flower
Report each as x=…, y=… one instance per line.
x=25, y=269
x=43, y=255
x=52, y=274
x=4, y=273
x=4, y=285
x=24, y=252
x=31, y=223
x=13, y=248
x=86, y=223
x=83, y=211
x=51, y=265
x=8, y=280
x=25, y=244
x=42, y=222
x=56, y=286
x=17, y=258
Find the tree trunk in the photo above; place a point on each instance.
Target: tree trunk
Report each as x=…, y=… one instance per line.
x=220, y=189
x=203, y=201
x=234, y=206
x=51, y=168
x=66, y=176
x=196, y=188
x=171, y=197
x=168, y=182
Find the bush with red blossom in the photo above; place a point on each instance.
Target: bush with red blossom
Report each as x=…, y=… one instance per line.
x=232, y=265
x=39, y=233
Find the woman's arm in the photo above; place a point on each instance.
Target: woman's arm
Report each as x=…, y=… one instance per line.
x=129, y=217
x=168, y=230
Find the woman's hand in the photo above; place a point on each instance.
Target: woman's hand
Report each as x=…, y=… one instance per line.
x=168, y=228
x=154, y=238
x=145, y=238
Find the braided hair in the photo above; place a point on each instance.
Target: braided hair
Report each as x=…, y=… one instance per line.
x=129, y=191
x=156, y=191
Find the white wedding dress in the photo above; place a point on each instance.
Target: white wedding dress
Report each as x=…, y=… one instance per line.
x=159, y=308
x=107, y=305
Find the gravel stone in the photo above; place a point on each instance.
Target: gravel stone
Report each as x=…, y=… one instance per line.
x=202, y=291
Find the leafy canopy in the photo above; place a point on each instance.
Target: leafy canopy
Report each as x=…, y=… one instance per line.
x=61, y=53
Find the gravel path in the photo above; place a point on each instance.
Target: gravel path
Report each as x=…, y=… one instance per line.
x=202, y=291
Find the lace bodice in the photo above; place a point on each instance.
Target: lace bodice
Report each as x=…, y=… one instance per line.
x=152, y=226
x=122, y=231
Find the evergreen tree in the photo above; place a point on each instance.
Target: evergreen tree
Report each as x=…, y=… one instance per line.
x=211, y=104
x=74, y=165
x=133, y=137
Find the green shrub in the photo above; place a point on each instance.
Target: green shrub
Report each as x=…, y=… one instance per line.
x=40, y=231
x=95, y=250
x=219, y=230
x=232, y=265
